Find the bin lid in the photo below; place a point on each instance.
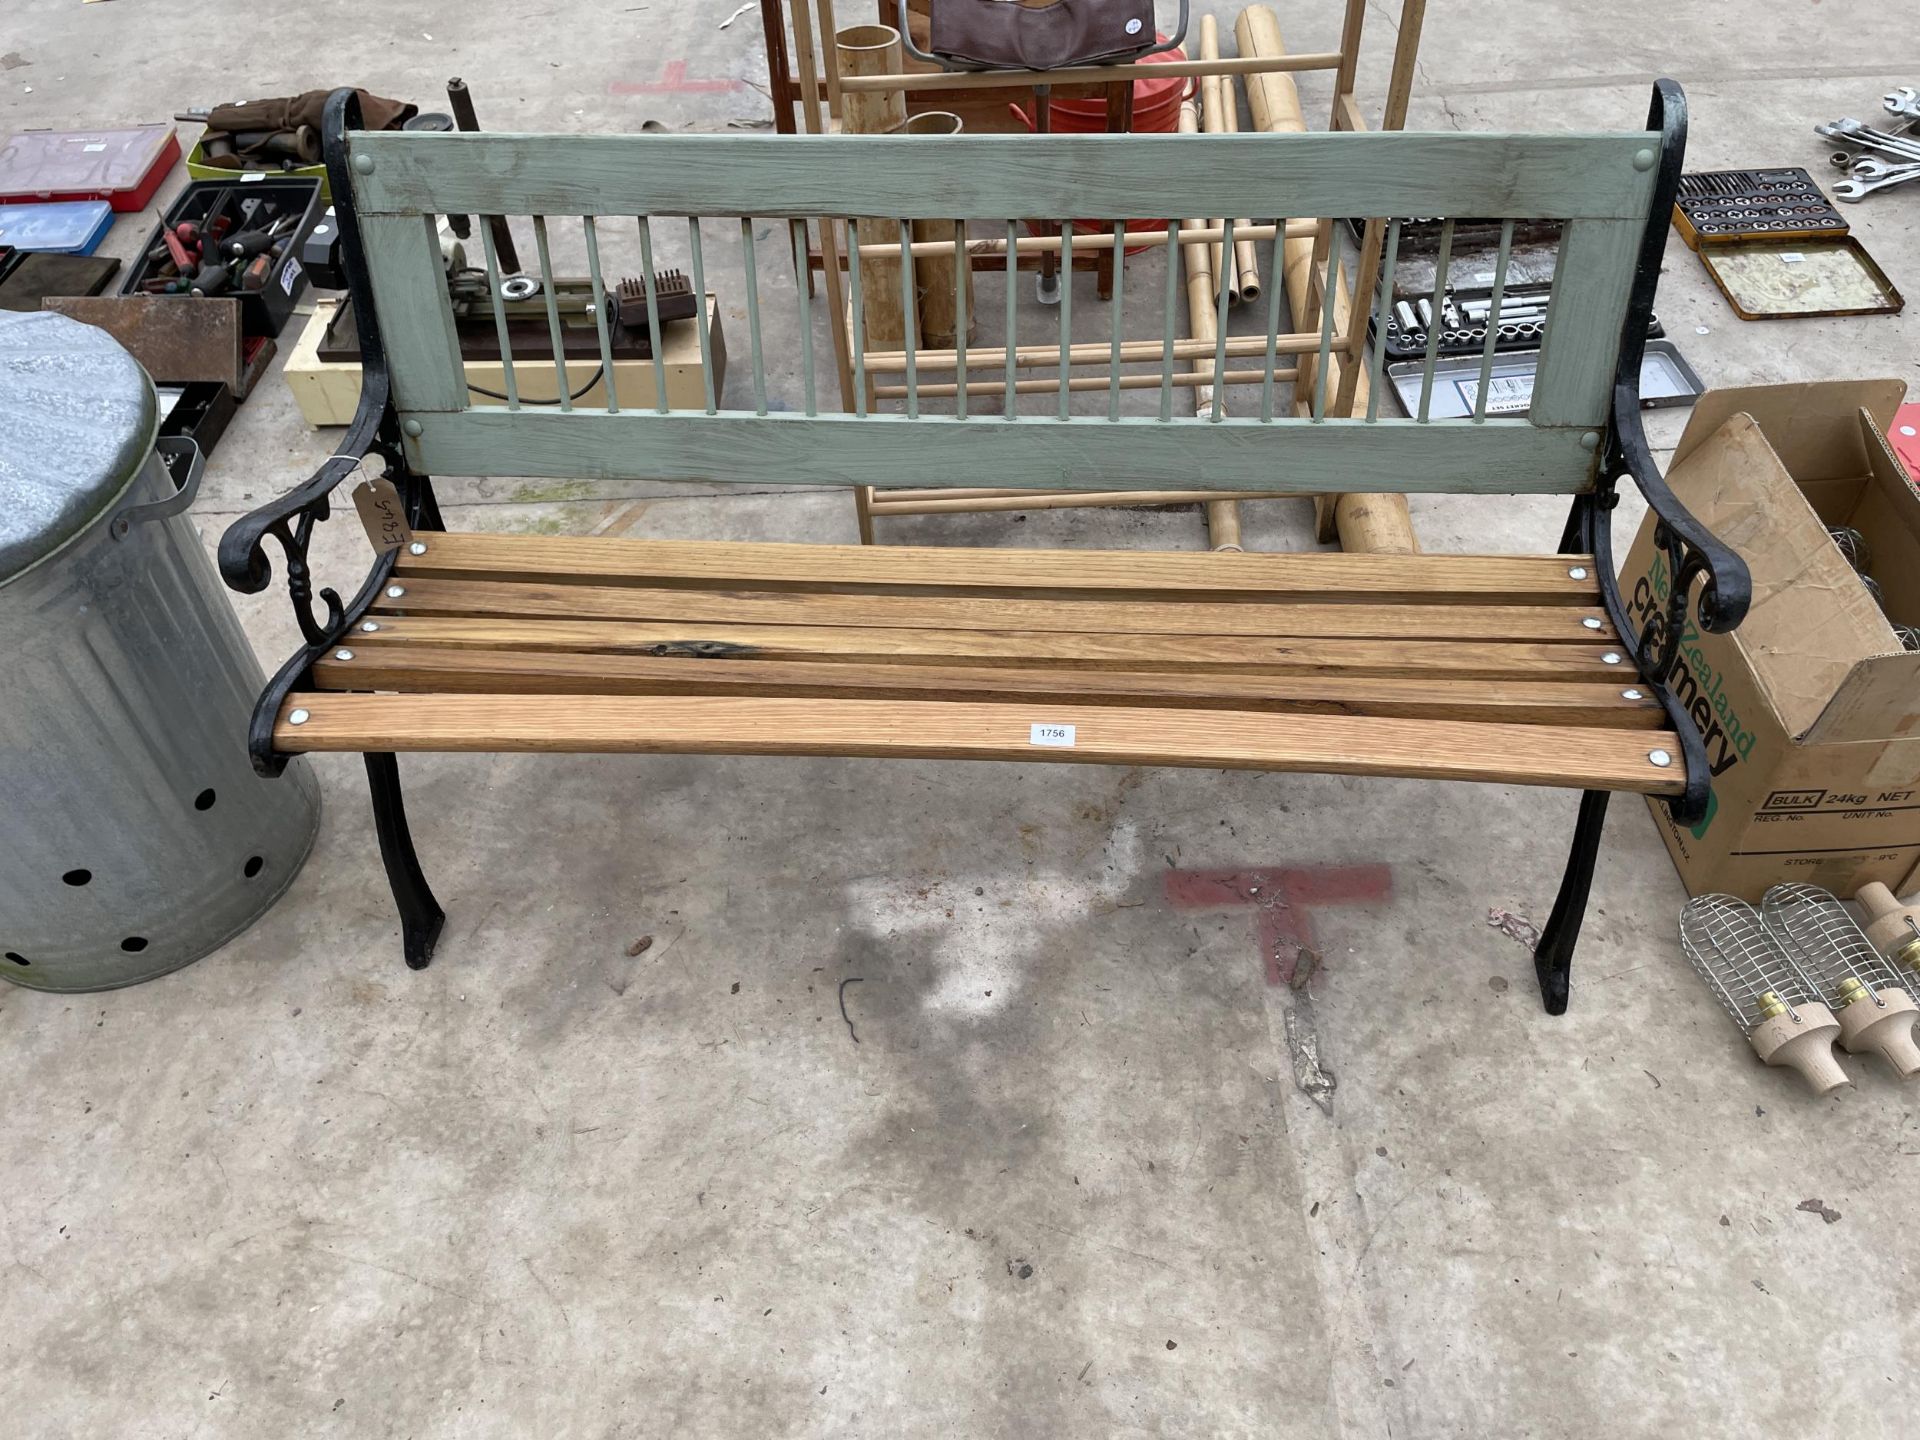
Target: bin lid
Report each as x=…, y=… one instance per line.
x=77, y=421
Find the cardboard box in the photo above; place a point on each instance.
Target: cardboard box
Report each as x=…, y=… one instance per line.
x=328, y=391
x=1811, y=709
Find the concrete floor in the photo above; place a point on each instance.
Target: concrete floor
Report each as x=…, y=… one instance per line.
x=1064, y=1184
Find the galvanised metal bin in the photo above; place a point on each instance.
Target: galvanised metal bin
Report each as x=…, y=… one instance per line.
x=134, y=835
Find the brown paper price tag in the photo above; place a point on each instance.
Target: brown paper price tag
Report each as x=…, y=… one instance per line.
x=381, y=512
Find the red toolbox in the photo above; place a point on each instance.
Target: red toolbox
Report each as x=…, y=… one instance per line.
x=123, y=167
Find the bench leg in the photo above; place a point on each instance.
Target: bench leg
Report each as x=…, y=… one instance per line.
x=1553, y=956
x=420, y=914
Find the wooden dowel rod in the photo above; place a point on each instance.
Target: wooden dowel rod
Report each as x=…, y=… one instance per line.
x=894, y=362
x=1051, y=384
x=1086, y=74
x=1051, y=500
x=1136, y=240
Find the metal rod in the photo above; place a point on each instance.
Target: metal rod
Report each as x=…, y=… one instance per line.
x=753, y=314
x=1119, y=318
x=1275, y=290
x=802, y=284
x=500, y=317
x=1329, y=303
x=1063, y=500
x=1493, y=320
x=909, y=307
x=1385, y=308
x=700, y=316
x=1167, y=318
x=600, y=313
x=1440, y=264
x=1010, y=351
x=1220, y=326
x=859, y=322
x=1066, y=315
x=653, y=317
x=460, y=101
x=962, y=276
x=553, y=314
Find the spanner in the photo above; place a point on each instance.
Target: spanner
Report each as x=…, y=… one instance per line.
x=1854, y=132
x=1904, y=101
x=1870, y=175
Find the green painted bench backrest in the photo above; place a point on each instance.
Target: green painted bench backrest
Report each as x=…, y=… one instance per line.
x=1600, y=185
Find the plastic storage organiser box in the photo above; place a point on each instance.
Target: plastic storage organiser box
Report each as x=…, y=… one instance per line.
x=60, y=227
x=122, y=167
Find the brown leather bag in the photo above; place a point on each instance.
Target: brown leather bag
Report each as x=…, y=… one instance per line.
x=1006, y=35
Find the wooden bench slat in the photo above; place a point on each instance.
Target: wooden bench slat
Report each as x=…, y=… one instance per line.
x=1006, y=647
x=1348, y=745
x=1119, y=574
x=421, y=670
x=1359, y=620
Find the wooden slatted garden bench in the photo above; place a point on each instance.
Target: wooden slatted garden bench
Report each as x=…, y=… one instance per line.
x=1508, y=668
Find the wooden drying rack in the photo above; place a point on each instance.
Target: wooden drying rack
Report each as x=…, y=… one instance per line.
x=810, y=94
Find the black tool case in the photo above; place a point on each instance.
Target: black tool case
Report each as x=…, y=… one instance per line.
x=239, y=203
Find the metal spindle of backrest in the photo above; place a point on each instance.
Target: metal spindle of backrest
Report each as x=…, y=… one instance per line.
x=1493, y=320
x=962, y=269
x=802, y=285
x=500, y=317
x=700, y=311
x=1436, y=321
x=1275, y=290
x=1012, y=401
x=1119, y=318
x=1066, y=319
x=1329, y=303
x=1381, y=314
x=909, y=315
x=600, y=314
x=653, y=317
x=1167, y=320
x=857, y=319
x=752, y=276
x=553, y=314
x=1220, y=322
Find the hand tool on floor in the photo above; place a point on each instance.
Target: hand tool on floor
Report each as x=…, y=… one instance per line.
x=1870, y=175
x=1867, y=997
x=1904, y=102
x=1774, y=1002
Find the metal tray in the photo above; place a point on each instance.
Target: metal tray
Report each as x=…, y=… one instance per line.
x=1665, y=380
x=1768, y=280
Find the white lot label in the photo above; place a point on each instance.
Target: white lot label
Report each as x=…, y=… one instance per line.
x=1792, y=257
x=1506, y=394
x=1051, y=735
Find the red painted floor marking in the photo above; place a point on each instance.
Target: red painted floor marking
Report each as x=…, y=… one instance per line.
x=674, y=81
x=1283, y=897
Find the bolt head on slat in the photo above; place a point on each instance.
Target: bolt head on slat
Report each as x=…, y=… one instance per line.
x=1643, y=159
x=1590, y=440
x=1578, y=572
x=394, y=592
x=418, y=547
x=1632, y=695
x=368, y=626
x=1612, y=657
x=343, y=654
x=363, y=163
x=412, y=427
x=298, y=717
x=1660, y=758
x=1591, y=623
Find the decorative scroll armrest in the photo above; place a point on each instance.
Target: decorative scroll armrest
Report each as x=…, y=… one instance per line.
x=289, y=520
x=1693, y=553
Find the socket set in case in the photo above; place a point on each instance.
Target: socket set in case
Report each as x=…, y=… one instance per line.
x=1716, y=206
x=1464, y=317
